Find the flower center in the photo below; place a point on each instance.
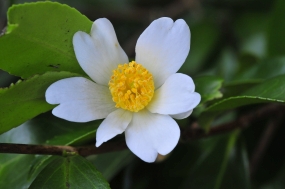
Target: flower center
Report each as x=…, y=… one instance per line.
x=131, y=86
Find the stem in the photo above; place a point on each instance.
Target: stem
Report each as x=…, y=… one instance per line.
x=194, y=132
x=60, y=150
x=187, y=134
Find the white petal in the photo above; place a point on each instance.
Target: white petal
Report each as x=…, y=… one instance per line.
x=149, y=134
x=163, y=47
x=175, y=96
x=182, y=115
x=100, y=53
x=114, y=124
x=80, y=99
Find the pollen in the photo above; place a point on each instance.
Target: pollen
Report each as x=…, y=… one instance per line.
x=131, y=86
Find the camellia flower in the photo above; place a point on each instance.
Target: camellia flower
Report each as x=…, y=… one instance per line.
x=140, y=97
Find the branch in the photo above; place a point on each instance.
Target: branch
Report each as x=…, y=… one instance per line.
x=60, y=150
x=187, y=134
x=195, y=132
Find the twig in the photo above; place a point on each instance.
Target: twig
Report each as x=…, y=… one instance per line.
x=60, y=150
x=191, y=133
x=194, y=132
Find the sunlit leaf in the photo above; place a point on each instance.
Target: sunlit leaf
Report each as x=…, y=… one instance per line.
x=39, y=39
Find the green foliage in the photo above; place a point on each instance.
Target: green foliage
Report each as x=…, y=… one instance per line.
x=70, y=172
x=208, y=87
x=269, y=91
x=206, y=163
x=39, y=39
x=44, y=129
x=237, y=60
x=26, y=99
x=110, y=166
x=71, y=134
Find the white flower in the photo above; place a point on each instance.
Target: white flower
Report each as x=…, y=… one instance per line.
x=141, y=97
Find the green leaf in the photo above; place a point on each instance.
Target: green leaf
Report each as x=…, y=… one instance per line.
x=39, y=39
x=14, y=169
x=265, y=69
x=238, y=87
x=11, y=162
x=272, y=90
x=208, y=87
x=201, y=164
x=276, y=30
x=269, y=68
x=210, y=162
x=26, y=99
x=74, y=134
x=110, y=166
x=71, y=172
x=237, y=172
x=45, y=128
x=215, y=163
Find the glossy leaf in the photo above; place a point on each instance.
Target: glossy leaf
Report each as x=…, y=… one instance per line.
x=272, y=90
x=39, y=39
x=208, y=87
x=26, y=99
x=236, y=88
x=70, y=172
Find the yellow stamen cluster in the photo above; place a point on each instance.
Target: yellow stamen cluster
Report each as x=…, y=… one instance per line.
x=131, y=86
